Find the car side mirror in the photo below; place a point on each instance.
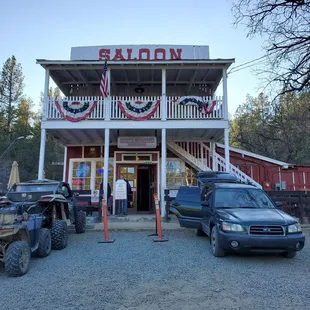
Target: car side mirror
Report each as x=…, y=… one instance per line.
x=205, y=203
x=278, y=204
x=76, y=194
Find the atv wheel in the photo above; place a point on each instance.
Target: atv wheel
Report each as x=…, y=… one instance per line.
x=17, y=258
x=59, y=234
x=45, y=243
x=80, y=222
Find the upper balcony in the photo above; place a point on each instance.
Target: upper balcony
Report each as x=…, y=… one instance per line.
x=154, y=83
x=118, y=108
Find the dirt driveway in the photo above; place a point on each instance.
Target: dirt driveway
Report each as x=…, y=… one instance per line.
x=135, y=273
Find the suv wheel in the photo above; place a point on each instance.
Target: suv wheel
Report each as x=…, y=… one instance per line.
x=80, y=222
x=289, y=254
x=199, y=232
x=45, y=243
x=17, y=258
x=59, y=234
x=217, y=251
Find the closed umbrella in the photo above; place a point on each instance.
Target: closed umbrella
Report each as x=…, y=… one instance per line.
x=14, y=176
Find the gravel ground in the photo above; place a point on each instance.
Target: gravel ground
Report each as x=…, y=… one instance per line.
x=135, y=273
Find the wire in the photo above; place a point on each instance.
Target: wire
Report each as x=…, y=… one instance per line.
x=249, y=66
x=249, y=62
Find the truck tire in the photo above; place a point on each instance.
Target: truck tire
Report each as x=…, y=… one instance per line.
x=199, y=232
x=17, y=258
x=217, y=251
x=289, y=254
x=59, y=233
x=45, y=243
x=80, y=222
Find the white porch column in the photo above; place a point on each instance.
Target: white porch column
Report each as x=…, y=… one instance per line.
x=108, y=99
x=163, y=170
x=226, y=139
x=46, y=97
x=43, y=130
x=163, y=106
x=42, y=154
x=225, y=99
x=65, y=165
x=213, y=153
x=106, y=162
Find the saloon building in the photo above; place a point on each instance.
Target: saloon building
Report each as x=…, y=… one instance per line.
x=161, y=118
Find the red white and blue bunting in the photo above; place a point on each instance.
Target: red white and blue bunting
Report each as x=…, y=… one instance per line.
x=204, y=107
x=138, y=110
x=75, y=111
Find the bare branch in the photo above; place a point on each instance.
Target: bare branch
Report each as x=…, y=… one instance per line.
x=286, y=25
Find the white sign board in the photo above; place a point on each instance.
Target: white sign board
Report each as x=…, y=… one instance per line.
x=95, y=196
x=137, y=142
x=140, y=52
x=120, y=190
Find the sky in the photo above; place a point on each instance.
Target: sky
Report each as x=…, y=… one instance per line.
x=38, y=29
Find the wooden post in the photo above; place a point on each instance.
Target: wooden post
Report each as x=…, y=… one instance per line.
x=167, y=218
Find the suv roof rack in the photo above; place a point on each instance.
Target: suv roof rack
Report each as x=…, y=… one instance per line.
x=204, y=177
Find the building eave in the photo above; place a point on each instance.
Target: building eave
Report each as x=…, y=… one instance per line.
x=223, y=62
x=284, y=165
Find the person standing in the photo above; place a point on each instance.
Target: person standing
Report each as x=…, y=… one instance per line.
x=124, y=189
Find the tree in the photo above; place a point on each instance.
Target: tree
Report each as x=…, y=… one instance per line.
x=11, y=82
x=24, y=117
x=286, y=24
x=278, y=129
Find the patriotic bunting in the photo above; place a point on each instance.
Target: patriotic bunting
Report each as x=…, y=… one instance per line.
x=138, y=110
x=75, y=111
x=204, y=107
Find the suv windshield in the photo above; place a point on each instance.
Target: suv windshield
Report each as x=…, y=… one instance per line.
x=33, y=188
x=241, y=198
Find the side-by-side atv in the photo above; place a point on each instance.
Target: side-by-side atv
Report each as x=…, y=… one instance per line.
x=34, y=219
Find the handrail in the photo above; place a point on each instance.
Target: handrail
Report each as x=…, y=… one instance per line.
x=175, y=110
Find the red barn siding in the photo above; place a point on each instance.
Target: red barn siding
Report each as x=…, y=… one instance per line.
x=265, y=172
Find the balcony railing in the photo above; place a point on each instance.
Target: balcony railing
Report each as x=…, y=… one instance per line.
x=175, y=111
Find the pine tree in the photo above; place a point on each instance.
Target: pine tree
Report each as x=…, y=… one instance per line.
x=11, y=90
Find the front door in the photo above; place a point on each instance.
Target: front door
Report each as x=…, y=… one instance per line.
x=130, y=174
x=142, y=180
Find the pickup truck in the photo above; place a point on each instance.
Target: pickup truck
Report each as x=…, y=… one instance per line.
x=237, y=217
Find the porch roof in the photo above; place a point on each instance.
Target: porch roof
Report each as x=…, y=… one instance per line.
x=96, y=136
x=187, y=73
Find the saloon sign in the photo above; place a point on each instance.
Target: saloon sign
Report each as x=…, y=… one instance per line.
x=140, y=52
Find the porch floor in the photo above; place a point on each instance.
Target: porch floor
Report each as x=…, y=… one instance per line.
x=131, y=222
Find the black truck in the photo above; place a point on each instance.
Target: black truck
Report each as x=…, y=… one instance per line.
x=237, y=217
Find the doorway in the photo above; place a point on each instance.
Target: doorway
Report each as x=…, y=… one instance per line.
x=142, y=179
x=145, y=188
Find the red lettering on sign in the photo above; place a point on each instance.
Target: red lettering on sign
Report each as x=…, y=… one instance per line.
x=160, y=51
x=129, y=52
x=144, y=51
x=103, y=53
x=175, y=54
x=118, y=54
x=76, y=182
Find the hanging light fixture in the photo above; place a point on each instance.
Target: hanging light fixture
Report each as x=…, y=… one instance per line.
x=139, y=89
